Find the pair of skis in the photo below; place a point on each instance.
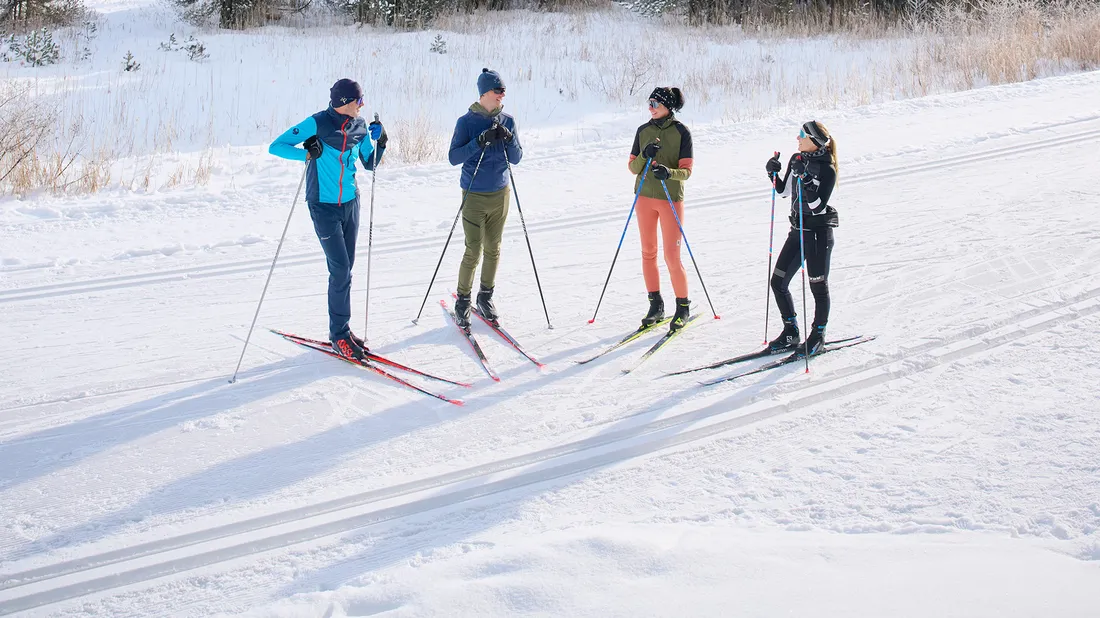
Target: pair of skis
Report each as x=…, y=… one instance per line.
x=496, y=328
x=372, y=363
x=637, y=334
x=791, y=357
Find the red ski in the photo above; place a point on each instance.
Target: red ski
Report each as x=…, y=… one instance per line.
x=504, y=335
x=470, y=339
x=369, y=365
x=372, y=357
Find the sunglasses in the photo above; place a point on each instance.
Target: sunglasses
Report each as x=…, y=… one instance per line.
x=360, y=101
x=654, y=104
x=802, y=135
x=498, y=90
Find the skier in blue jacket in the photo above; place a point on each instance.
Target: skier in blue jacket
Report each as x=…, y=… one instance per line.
x=482, y=139
x=333, y=139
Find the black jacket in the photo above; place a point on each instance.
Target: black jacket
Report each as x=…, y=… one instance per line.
x=812, y=185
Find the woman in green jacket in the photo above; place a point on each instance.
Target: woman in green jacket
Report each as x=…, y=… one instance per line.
x=666, y=143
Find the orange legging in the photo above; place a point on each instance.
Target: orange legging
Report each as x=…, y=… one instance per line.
x=650, y=211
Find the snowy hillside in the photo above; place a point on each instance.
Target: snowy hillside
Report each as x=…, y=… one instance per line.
x=948, y=468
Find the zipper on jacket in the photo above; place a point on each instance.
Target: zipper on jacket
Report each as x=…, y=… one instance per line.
x=343, y=147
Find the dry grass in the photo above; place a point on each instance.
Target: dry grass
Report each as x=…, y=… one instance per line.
x=588, y=58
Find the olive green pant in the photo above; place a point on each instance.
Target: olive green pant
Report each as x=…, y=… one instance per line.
x=483, y=218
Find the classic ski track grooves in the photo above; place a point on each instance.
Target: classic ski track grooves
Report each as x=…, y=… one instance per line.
x=155, y=559
x=704, y=202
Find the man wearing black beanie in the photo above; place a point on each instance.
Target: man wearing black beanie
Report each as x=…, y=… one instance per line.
x=485, y=140
x=333, y=140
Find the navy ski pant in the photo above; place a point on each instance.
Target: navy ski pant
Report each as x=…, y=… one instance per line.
x=337, y=227
x=819, y=251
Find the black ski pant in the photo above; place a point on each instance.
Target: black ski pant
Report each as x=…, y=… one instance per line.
x=337, y=227
x=819, y=250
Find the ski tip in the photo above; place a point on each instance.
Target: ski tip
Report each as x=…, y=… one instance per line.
x=717, y=317
x=457, y=402
x=549, y=327
x=495, y=378
x=592, y=321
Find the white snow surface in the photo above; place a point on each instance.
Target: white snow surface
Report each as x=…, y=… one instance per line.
x=949, y=468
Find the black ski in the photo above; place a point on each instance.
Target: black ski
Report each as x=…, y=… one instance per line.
x=786, y=360
x=750, y=356
x=470, y=339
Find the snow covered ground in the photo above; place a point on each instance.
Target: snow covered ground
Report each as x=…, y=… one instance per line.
x=949, y=468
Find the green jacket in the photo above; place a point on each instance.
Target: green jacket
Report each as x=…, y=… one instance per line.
x=675, y=154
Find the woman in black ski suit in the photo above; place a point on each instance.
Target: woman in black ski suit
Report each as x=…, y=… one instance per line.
x=811, y=173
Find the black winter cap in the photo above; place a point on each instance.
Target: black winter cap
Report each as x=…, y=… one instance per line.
x=344, y=91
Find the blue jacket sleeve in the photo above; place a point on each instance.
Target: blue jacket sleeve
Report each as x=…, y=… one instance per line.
x=368, y=158
x=285, y=145
x=462, y=145
x=514, y=148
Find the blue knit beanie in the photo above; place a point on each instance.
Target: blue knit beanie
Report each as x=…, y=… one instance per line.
x=344, y=91
x=487, y=81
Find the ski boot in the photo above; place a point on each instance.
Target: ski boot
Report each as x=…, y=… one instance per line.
x=347, y=347
x=788, y=339
x=486, y=307
x=815, y=342
x=680, y=318
x=359, y=341
x=462, y=312
x=656, y=310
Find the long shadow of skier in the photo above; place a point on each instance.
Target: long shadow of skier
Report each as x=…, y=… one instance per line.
x=254, y=475
x=391, y=544
x=57, y=448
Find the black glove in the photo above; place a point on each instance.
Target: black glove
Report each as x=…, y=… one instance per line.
x=487, y=137
x=798, y=166
x=773, y=166
x=379, y=134
x=314, y=147
x=660, y=171
x=650, y=150
x=503, y=134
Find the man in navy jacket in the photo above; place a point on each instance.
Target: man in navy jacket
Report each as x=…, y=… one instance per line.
x=485, y=141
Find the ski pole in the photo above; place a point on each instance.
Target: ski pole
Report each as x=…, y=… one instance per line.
x=688, y=245
x=802, y=250
x=767, y=279
x=270, y=271
x=453, y=224
x=530, y=251
x=370, y=231
x=621, y=238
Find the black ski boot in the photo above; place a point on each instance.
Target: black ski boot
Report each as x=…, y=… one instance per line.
x=462, y=312
x=814, y=342
x=359, y=341
x=680, y=318
x=486, y=307
x=347, y=347
x=788, y=339
x=656, y=310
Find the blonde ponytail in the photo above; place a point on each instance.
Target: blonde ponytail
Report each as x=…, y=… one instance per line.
x=832, y=148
